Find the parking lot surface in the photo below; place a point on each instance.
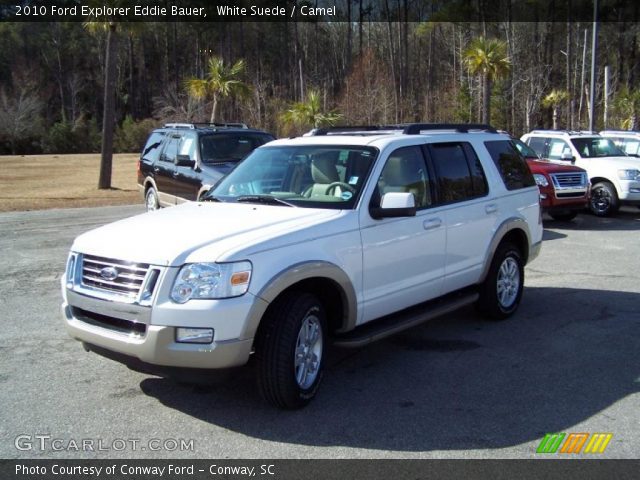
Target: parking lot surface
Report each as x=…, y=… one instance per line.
x=457, y=387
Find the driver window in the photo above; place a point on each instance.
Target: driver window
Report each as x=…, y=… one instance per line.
x=405, y=171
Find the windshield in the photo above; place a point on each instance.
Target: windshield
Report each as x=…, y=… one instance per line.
x=310, y=176
x=525, y=150
x=593, y=147
x=230, y=147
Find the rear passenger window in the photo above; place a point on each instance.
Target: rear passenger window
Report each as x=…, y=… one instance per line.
x=458, y=171
x=513, y=168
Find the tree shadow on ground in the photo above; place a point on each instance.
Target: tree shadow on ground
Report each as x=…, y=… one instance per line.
x=455, y=383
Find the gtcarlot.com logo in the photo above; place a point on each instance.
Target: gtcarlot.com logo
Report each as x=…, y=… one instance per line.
x=46, y=442
x=574, y=443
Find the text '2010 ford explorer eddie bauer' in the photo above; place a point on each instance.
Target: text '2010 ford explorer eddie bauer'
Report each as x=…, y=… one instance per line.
x=341, y=236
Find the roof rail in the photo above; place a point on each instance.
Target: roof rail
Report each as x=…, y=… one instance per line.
x=195, y=125
x=416, y=128
x=627, y=132
x=404, y=128
x=353, y=130
x=565, y=132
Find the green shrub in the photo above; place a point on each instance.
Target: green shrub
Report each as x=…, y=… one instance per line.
x=65, y=137
x=132, y=135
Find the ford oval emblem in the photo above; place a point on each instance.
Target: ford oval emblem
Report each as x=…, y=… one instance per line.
x=109, y=273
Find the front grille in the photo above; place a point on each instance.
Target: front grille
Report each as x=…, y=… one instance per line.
x=105, y=321
x=570, y=180
x=114, y=276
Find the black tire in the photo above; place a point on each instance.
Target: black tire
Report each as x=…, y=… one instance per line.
x=287, y=379
x=604, y=200
x=151, y=199
x=564, y=216
x=499, y=297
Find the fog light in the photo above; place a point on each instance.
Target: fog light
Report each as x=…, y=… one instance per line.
x=194, y=335
x=543, y=196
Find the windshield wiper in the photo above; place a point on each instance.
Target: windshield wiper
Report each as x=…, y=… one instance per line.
x=266, y=199
x=211, y=198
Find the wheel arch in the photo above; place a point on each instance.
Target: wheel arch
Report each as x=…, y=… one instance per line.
x=596, y=179
x=513, y=230
x=327, y=281
x=149, y=182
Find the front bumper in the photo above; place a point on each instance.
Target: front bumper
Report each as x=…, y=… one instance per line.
x=147, y=333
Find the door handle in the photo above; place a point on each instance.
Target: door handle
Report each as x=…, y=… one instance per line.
x=431, y=223
x=491, y=208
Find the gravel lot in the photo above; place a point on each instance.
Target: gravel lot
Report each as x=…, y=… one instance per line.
x=457, y=387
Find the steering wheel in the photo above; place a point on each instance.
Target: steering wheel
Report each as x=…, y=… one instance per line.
x=333, y=185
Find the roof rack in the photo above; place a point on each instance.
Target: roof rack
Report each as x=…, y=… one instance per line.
x=565, y=132
x=416, y=128
x=193, y=126
x=626, y=132
x=404, y=128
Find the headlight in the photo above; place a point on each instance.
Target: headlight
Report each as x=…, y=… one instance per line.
x=211, y=280
x=541, y=180
x=629, y=174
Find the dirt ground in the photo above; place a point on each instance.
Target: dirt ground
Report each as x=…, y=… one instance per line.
x=39, y=182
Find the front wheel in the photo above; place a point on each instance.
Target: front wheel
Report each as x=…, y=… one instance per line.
x=501, y=291
x=290, y=350
x=604, y=199
x=564, y=216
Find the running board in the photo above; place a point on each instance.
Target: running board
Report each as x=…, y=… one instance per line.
x=411, y=317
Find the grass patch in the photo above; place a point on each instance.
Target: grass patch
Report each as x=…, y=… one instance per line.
x=39, y=182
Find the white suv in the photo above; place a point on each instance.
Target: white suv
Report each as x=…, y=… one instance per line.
x=614, y=176
x=342, y=237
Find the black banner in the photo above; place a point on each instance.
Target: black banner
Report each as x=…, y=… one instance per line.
x=318, y=469
x=626, y=11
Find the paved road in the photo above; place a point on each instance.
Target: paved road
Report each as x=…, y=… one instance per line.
x=457, y=387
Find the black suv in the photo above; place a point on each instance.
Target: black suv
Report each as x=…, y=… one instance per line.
x=182, y=161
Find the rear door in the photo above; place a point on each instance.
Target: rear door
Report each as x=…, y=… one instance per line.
x=469, y=213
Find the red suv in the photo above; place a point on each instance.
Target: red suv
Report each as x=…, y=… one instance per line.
x=564, y=189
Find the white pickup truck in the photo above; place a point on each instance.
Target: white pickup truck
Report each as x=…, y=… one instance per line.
x=344, y=236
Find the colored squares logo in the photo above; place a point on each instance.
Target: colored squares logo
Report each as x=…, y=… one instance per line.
x=574, y=443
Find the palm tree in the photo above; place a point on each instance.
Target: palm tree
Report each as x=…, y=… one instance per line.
x=220, y=81
x=488, y=59
x=626, y=104
x=553, y=100
x=309, y=113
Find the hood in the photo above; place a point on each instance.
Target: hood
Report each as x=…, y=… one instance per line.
x=627, y=163
x=213, y=172
x=539, y=166
x=168, y=236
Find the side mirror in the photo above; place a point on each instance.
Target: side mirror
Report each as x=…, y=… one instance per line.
x=567, y=157
x=184, y=161
x=395, y=204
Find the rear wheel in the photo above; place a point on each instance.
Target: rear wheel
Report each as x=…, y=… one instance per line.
x=290, y=350
x=151, y=199
x=604, y=199
x=501, y=291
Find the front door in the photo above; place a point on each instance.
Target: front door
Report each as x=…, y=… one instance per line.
x=404, y=258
